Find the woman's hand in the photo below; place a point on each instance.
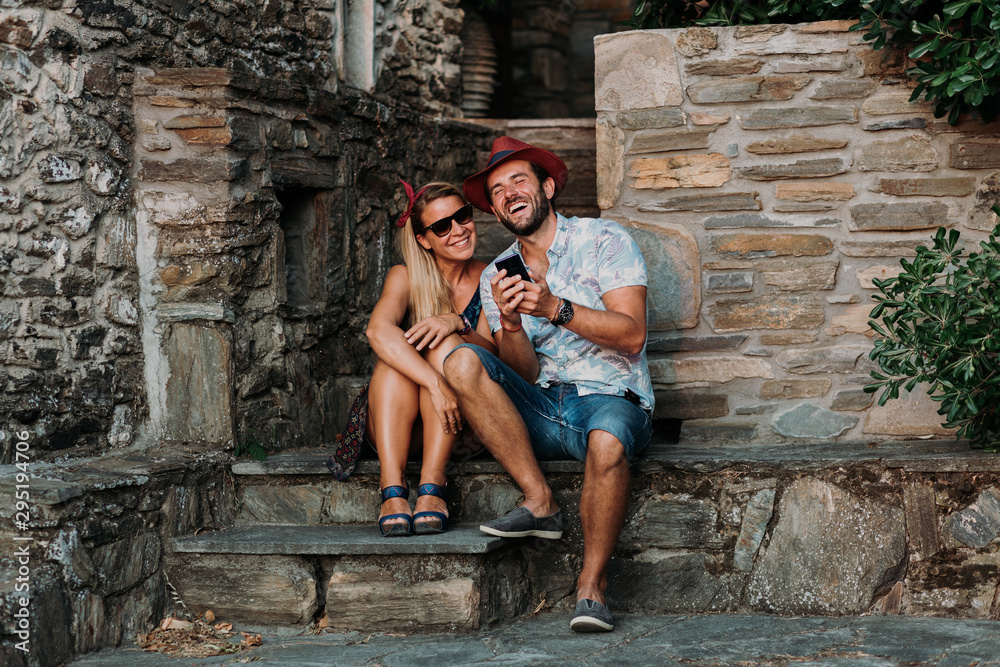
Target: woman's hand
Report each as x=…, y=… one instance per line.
x=446, y=405
x=430, y=331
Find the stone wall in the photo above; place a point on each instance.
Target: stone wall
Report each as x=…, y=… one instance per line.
x=100, y=530
x=266, y=217
x=771, y=173
x=79, y=351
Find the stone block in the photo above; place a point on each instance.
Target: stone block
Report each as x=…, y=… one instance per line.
x=171, y=101
x=190, y=121
x=831, y=552
x=957, y=186
x=957, y=588
x=808, y=207
x=818, y=27
x=906, y=248
x=724, y=67
x=913, y=153
x=610, y=162
x=673, y=275
x=192, y=76
x=696, y=41
x=361, y=596
x=262, y=590
x=757, y=515
x=59, y=169
x=682, y=171
x=635, y=70
x=752, y=34
x=717, y=431
x=982, y=216
x=122, y=564
x=832, y=359
x=89, y=624
x=766, y=312
x=806, y=63
x=796, y=143
x=975, y=155
x=920, y=508
x=817, y=168
x=746, y=89
x=744, y=221
x=892, y=103
x=199, y=388
x=194, y=170
x=646, y=119
x=843, y=89
x=978, y=524
x=210, y=136
x=755, y=409
x=699, y=118
x=723, y=201
x=724, y=283
x=809, y=116
x=787, y=338
x=853, y=321
x=868, y=275
x=659, y=141
x=353, y=503
x=675, y=523
x=690, y=405
x=673, y=582
x=814, y=191
x=898, y=216
x=708, y=369
x=771, y=245
x=811, y=421
x=681, y=343
x=795, y=388
x=897, y=124
x=269, y=505
x=913, y=414
x=797, y=274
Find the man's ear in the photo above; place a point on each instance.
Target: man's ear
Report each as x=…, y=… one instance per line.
x=549, y=187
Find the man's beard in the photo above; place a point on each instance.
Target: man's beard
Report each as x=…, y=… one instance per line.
x=540, y=207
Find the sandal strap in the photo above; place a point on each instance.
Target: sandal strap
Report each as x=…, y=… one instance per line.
x=391, y=492
x=431, y=490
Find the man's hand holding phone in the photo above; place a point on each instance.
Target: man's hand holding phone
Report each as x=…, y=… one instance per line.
x=518, y=291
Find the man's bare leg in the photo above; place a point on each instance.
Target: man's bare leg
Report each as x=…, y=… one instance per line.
x=486, y=407
x=603, y=503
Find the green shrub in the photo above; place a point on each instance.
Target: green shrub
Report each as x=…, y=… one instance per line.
x=939, y=323
x=956, y=44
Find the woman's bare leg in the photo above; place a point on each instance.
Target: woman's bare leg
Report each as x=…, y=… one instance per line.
x=393, y=407
x=438, y=444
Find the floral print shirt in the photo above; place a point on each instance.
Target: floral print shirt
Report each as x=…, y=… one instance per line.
x=588, y=257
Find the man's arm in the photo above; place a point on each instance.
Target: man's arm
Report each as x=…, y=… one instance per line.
x=621, y=327
x=514, y=348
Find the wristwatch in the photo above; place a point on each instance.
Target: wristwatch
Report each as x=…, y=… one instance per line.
x=564, y=313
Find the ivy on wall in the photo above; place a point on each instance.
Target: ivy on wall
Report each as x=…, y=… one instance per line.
x=955, y=45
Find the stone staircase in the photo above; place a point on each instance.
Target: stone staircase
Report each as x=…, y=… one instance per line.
x=830, y=529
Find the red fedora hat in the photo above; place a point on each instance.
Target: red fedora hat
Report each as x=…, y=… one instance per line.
x=506, y=149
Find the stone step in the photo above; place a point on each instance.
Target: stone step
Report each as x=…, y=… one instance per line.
x=351, y=575
x=812, y=528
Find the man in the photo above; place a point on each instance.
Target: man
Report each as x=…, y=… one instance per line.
x=571, y=379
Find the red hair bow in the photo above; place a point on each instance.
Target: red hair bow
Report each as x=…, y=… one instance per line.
x=412, y=199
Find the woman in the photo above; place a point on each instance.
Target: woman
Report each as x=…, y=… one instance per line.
x=429, y=305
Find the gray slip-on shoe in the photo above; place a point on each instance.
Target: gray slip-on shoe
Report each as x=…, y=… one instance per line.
x=522, y=523
x=592, y=616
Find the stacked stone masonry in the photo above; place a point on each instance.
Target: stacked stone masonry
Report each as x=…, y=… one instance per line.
x=120, y=190
x=770, y=174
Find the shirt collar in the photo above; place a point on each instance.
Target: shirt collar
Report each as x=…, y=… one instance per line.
x=560, y=242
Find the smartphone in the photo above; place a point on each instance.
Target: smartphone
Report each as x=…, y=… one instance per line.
x=514, y=266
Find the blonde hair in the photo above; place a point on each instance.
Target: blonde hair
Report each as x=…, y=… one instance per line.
x=430, y=293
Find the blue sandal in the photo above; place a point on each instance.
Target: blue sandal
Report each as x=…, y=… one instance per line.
x=395, y=529
x=425, y=527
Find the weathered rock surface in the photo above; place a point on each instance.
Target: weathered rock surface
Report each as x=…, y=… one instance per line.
x=831, y=552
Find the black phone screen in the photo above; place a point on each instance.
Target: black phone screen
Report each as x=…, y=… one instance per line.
x=514, y=266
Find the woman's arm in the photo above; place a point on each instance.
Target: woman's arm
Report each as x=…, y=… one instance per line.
x=388, y=342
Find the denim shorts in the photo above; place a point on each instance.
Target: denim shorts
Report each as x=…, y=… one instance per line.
x=559, y=420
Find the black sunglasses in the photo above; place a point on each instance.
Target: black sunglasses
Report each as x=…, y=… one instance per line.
x=462, y=216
